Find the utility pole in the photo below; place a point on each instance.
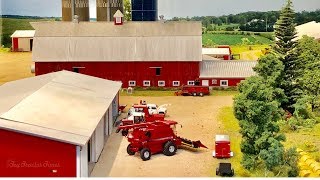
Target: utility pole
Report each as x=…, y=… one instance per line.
x=266, y=23
x=72, y=9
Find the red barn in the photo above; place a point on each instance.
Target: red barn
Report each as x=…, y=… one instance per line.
x=55, y=125
x=225, y=73
x=159, y=54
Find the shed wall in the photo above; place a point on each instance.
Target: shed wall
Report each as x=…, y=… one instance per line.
x=129, y=71
x=28, y=156
x=231, y=81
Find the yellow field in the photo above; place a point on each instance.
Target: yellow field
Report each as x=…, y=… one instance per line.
x=249, y=52
x=14, y=66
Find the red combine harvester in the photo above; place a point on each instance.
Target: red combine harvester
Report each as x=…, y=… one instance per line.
x=222, y=147
x=156, y=137
x=140, y=114
x=193, y=91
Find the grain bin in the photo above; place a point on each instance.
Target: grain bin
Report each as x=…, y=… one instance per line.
x=81, y=9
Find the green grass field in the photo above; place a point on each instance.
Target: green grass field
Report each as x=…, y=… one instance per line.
x=9, y=25
x=233, y=39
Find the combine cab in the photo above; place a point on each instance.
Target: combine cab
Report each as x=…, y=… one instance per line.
x=156, y=137
x=193, y=91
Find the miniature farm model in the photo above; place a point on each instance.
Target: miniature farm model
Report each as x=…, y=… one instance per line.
x=193, y=91
x=224, y=169
x=156, y=137
x=222, y=147
x=139, y=114
x=155, y=109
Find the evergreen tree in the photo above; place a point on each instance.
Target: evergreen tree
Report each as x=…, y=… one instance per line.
x=127, y=10
x=285, y=34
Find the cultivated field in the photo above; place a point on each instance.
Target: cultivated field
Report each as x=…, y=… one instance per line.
x=14, y=66
x=199, y=118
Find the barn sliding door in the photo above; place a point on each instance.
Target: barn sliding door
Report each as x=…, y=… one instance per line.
x=99, y=139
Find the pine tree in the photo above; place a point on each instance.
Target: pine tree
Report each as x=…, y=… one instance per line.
x=285, y=33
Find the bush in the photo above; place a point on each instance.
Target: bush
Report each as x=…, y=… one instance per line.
x=309, y=123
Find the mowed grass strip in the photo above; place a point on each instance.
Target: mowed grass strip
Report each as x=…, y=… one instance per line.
x=233, y=39
x=231, y=127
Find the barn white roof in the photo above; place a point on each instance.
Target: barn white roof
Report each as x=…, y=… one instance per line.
x=62, y=106
x=103, y=41
x=227, y=69
x=23, y=34
x=216, y=51
x=311, y=29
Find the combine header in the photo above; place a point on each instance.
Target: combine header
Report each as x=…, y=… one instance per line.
x=155, y=137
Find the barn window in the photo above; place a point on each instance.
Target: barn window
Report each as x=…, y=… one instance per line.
x=146, y=83
x=158, y=71
x=214, y=81
x=191, y=83
x=161, y=83
x=77, y=69
x=224, y=83
x=132, y=83
x=176, y=83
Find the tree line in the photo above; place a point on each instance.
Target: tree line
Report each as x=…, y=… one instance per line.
x=242, y=19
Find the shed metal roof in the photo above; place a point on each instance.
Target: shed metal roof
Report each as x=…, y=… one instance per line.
x=23, y=34
x=227, y=69
x=103, y=41
x=62, y=106
x=311, y=29
x=216, y=51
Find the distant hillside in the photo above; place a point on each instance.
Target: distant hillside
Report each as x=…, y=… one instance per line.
x=11, y=23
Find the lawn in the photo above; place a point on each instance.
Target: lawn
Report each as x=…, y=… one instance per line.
x=233, y=39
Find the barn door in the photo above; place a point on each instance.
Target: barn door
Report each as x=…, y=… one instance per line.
x=31, y=44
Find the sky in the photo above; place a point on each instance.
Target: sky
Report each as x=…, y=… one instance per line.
x=168, y=8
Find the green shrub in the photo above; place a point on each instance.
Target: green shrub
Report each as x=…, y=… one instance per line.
x=309, y=123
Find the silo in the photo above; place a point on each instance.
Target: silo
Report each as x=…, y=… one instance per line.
x=81, y=9
x=103, y=10
x=107, y=8
x=144, y=10
x=66, y=10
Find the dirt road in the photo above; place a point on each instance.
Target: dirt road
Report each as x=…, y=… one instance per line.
x=198, y=116
x=14, y=66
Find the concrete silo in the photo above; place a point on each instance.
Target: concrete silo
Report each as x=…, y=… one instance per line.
x=81, y=8
x=107, y=8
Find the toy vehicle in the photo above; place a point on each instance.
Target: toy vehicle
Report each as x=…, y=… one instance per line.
x=121, y=108
x=156, y=137
x=224, y=169
x=154, y=109
x=193, y=91
x=138, y=114
x=222, y=147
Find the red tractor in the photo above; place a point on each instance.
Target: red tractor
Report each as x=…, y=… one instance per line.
x=156, y=137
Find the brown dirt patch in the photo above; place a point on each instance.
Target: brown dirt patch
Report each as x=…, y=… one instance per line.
x=198, y=116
